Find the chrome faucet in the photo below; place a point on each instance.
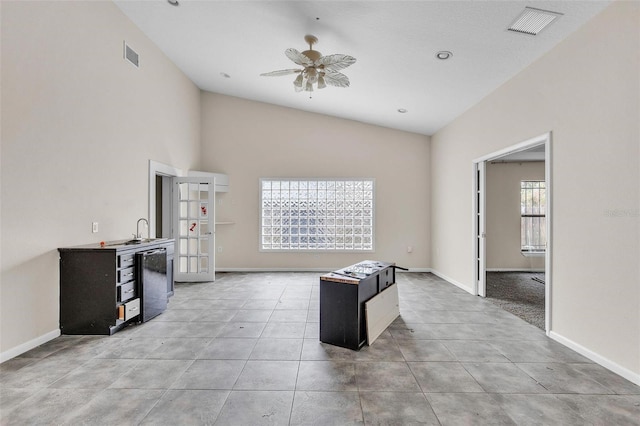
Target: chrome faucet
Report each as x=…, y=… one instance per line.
x=138, y=235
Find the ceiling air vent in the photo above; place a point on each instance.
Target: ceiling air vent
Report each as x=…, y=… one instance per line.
x=131, y=55
x=531, y=21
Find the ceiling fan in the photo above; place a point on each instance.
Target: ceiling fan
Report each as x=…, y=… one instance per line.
x=317, y=69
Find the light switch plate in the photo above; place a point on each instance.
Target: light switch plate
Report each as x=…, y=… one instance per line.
x=94, y=227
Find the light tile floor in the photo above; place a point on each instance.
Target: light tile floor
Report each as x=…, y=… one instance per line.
x=244, y=350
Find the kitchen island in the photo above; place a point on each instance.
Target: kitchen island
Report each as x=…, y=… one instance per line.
x=343, y=294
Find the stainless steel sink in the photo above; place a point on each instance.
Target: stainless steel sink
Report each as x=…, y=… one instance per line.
x=136, y=241
x=142, y=240
x=132, y=242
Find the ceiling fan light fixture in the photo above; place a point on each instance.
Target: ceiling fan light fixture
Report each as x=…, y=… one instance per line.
x=312, y=74
x=309, y=87
x=321, y=82
x=298, y=81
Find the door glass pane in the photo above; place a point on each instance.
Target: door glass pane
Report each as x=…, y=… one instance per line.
x=204, y=264
x=183, y=247
x=193, y=209
x=193, y=228
x=193, y=264
x=193, y=246
x=184, y=228
x=183, y=209
x=204, y=191
x=184, y=191
x=204, y=227
x=204, y=209
x=183, y=264
x=194, y=192
x=204, y=246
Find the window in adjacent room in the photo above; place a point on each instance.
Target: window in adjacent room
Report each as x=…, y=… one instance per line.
x=317, y=214
x=533, y=222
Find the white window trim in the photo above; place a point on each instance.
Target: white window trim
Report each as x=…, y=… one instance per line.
x=373, y=216
x=540, y=252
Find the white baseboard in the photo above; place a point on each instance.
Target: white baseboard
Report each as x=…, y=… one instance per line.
x=303, y=269
x=452, y=281
x=514, y=270
x=276, y=269
x=27, y=346
x=598, y=359
x=414, y=270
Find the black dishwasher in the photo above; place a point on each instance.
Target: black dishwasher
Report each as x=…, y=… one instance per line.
x=152, y=278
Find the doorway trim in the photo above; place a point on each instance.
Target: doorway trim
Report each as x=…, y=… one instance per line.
x=479, y=217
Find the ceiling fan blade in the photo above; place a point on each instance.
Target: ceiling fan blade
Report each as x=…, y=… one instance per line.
x=280, y=72
x=335, y=62
x=298, y=57
x=336, y=79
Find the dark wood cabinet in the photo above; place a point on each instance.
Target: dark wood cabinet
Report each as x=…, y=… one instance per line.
x=99, y=288
x=343, y=294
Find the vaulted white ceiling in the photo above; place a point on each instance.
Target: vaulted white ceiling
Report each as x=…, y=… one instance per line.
x=394, y=42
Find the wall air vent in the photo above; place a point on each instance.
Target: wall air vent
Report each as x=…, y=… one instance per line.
x=131, y=55
x=531, y=21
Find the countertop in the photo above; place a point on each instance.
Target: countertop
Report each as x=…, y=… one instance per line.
x=355, y=273
x=121, y=244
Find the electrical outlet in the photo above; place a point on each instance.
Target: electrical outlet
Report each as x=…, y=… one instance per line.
x=94, y=227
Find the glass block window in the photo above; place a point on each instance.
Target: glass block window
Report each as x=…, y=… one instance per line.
x=533, y=221
x=317, y=214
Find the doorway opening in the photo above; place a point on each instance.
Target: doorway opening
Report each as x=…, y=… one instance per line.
x=163, y=207
x=160, y=198
x=512, y=229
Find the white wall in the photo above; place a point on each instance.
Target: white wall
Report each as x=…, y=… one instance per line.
x=79, y=125
x=503, y=215
x=587, y=92
x=248, y=140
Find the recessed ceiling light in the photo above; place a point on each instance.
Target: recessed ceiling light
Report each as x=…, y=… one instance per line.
x=173, y=2
x=443, y=55
x=225, y=75
x=402, y=110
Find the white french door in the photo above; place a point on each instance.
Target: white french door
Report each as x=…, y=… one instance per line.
x=480, y=229
x=194, y=228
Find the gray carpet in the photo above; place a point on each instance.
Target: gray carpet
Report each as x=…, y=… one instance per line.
x=518, y=293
